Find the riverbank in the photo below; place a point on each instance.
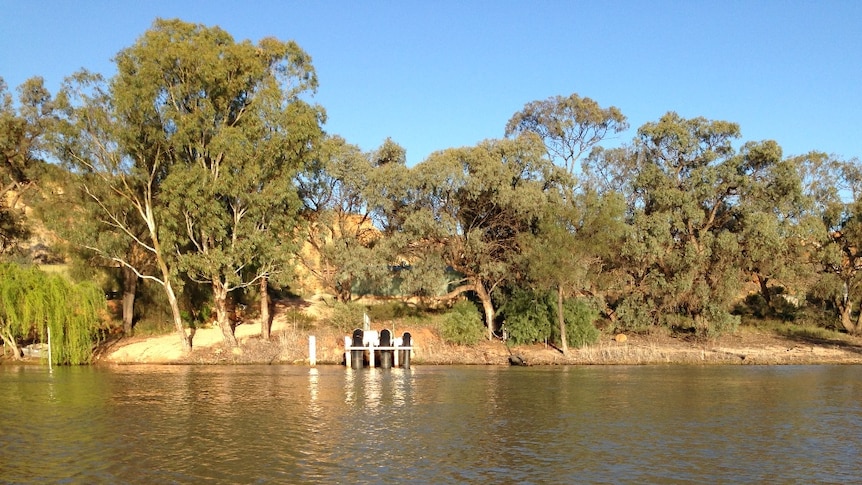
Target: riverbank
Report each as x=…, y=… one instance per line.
x=289, y=345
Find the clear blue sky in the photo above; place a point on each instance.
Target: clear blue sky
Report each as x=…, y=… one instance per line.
x=438, y=74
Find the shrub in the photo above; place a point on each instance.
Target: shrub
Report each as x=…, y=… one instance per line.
x=717, y=322
x=347, y=316
x=634, y=315
x=580, y=317
x=463, y=324
x=529, y=316
x=755, y=304
x=391, y=311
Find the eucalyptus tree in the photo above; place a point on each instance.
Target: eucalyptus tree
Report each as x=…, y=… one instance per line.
x=117, y=164
x=569, y=126
x=835, y=233
x=23, y=129
x=99, y=201
x=339, y=229
x=613, y=171
x=770, y=208
x=470, y=207
x=693, y=190
x=237, y=126
x=577, y=239
x=196, y=140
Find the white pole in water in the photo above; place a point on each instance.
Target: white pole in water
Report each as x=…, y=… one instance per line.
x=312, y=350
x=50, y=364
x=347, y=344
x=395, y=352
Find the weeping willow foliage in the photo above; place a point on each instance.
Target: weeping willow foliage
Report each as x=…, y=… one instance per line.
x=31, y=301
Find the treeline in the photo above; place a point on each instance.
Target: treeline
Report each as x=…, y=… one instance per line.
x=203, y=167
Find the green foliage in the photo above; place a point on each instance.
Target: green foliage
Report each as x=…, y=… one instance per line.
x=819, y=316
x=23, y=128
x=469, y=207
x=347, y=316
x=391, y=310
x=754, y=304
x=570, y=126
x=462, y=325
x=153, y=312
x=816, y=328
x=715, y=321
x=300, y=321
x=32, y=301
x=186, y=157
x=580, y=317
x=529, y=316
x=811, y=333
x=152, y=327
x=634, y=315
x=203, y=160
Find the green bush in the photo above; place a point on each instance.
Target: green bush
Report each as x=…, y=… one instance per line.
x=580, y=317
x=152, y=312
x=299, y=321
x=463, y=324
x=634, y=315
x=716, y=321
x=347, y=316
x=391, y=311
x=754, y=304
x=531, y=317
x=528, y=317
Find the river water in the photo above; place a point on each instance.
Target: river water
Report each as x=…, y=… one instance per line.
x=430, y=424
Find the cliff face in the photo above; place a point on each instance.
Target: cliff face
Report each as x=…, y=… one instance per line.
x=41, y=245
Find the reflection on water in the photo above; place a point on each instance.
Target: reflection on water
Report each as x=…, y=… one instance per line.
x=257, y=424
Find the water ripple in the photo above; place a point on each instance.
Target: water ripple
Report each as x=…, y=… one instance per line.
x=262, y=424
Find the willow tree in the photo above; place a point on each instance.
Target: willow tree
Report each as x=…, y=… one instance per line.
x=33, y=303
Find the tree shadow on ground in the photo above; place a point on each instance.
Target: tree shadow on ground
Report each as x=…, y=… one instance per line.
x=296, y=304
x=807, y=337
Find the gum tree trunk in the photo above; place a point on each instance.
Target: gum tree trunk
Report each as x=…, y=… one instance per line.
x=265, y=314
x=178, y=319
x=562, y=320
x=488, y=307
x=130, y=286
x=222, y=313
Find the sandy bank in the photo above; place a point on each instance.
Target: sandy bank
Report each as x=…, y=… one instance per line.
x=289, y=345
